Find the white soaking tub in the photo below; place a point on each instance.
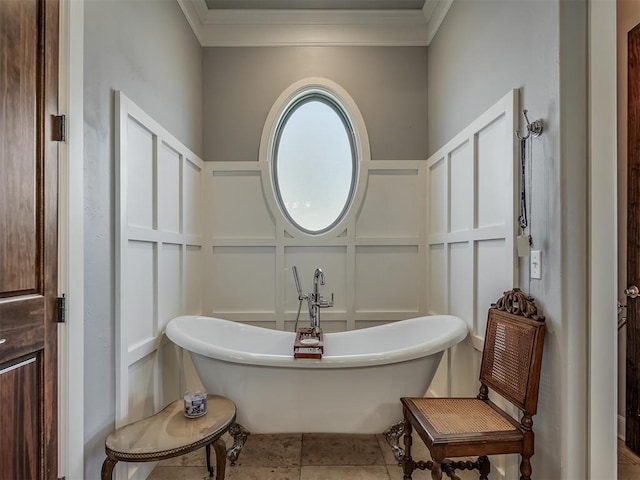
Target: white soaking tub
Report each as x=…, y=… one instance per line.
x=354, y=388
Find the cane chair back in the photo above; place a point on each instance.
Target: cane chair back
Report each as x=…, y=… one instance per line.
x=512, y=357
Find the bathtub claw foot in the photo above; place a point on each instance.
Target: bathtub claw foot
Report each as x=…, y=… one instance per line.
x=239, y=435
x=392, y=435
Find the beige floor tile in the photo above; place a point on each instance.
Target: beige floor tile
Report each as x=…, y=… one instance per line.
x=327, y=449
x=362, y=472
x=239, y=472
x=335, y=457
x=395, y=472
x=626, y=456
x=179, y=473
x=282, y=450
x=628, y=471
x=387, y=454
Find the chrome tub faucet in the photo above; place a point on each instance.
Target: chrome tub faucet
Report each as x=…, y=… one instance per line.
x=315, y=301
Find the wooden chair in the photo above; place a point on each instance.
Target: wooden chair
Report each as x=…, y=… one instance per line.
x=470, y=427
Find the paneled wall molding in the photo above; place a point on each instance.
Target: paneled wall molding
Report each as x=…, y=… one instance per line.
x=158, y=261
x=472, y=192
x=251, y=28
x=371, y=262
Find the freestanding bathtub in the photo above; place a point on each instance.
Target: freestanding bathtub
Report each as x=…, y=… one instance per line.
x=354, y=388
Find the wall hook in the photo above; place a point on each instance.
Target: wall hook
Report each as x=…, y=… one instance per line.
x=533, y=128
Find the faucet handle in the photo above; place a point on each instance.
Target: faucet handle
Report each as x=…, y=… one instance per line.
x=322, y=303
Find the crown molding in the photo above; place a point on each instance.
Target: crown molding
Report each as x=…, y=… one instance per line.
x=251, y=28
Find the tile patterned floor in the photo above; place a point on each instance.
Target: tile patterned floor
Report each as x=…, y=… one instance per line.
x=297, y=456
x=300, y=457
x=628, y=463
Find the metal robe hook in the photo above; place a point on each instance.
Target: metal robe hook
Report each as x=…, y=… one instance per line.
x=533, y=128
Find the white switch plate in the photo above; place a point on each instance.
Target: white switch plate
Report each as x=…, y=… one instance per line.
x=536, y=264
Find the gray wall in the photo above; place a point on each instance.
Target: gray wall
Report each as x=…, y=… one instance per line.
x=147, y=50
x=389, y=85
x=482, y=50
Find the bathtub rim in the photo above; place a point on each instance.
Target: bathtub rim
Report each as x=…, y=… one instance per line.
x=457, y=332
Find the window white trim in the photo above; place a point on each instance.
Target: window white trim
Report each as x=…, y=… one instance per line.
x=362, y=147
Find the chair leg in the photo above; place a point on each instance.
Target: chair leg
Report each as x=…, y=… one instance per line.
x=449, y=468
x=484, y=467
x=525, y=468
x=436, y=469
x=408, y=465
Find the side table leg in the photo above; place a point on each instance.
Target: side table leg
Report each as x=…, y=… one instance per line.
x=221, y=458
x=239, y=435
x=107, y=468
x=207, y=449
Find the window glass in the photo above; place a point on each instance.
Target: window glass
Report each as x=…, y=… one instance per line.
x=314, y=163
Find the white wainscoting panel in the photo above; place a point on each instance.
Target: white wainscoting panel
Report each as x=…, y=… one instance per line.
x=192, y=195
x=472, y=198
x=242, y=280
x=193, y=278
x=245, y=214
x=461, y=218
x=387, y=279
x=390, y=209
x=437, y=196
x=159, y=261
x=472, y=226
x=139, y=302
x=169, y=190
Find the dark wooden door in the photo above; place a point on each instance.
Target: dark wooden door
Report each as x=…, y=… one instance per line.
x=633, y=244
x=28, y=239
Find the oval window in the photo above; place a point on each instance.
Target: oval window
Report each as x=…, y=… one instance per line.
x=314, y=162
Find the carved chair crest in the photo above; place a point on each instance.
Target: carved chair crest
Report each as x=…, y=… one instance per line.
x=518, y=303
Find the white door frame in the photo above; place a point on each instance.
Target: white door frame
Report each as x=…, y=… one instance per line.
x=602, y=347
x=602, y=262
x=71, y=243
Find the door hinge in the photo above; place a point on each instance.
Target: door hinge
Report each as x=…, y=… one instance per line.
x=62, y=309
x=60, y=128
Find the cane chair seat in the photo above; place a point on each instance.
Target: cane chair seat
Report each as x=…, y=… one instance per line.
x=463, y=427
x=479, y=417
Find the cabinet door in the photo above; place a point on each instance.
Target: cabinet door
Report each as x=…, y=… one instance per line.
x=19, y=419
